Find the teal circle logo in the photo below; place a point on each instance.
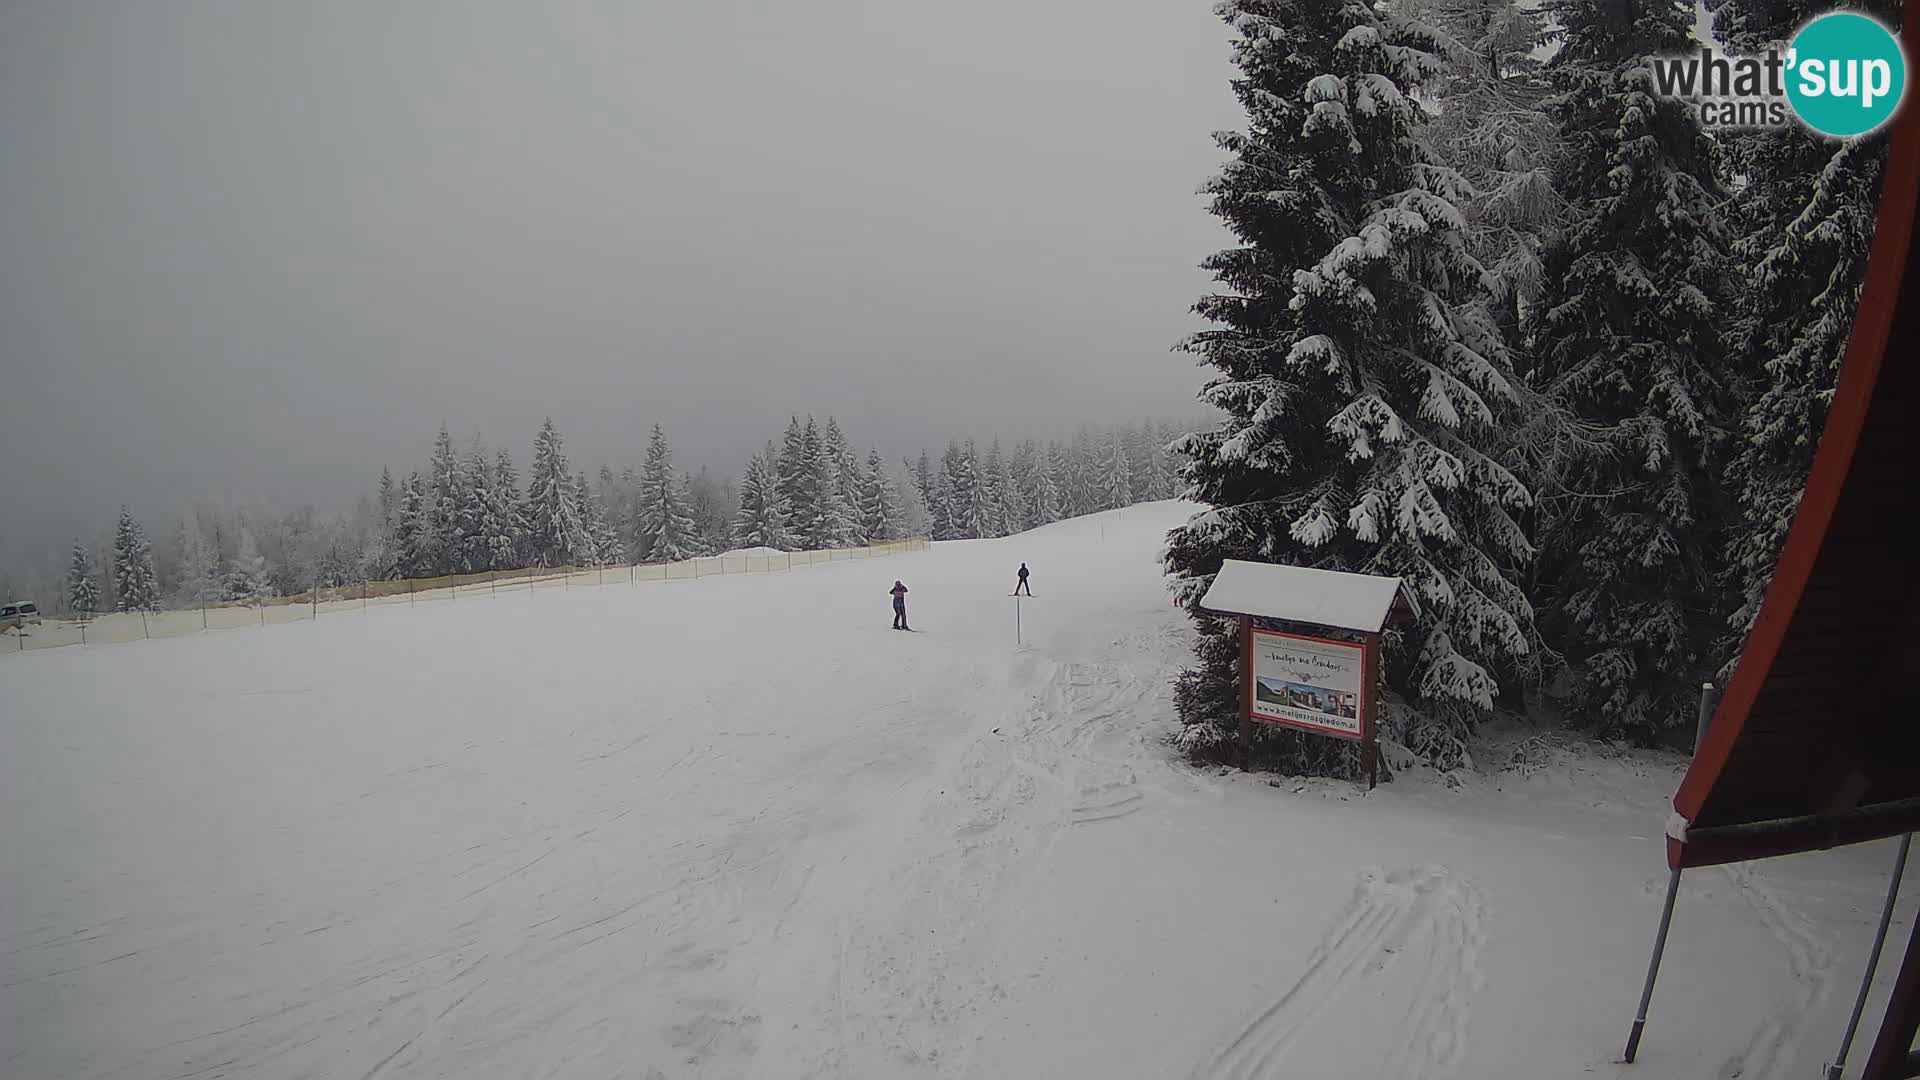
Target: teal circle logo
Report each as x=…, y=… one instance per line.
x=1846, y=74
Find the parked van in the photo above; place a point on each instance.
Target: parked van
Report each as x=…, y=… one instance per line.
x=15, y=614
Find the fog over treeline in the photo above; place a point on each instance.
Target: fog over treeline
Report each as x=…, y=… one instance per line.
x=469, y=507
x=251, y=254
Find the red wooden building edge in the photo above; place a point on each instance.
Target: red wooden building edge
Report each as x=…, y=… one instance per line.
x=1816, y=740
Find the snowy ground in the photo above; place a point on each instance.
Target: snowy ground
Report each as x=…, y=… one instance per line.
x=737, y=827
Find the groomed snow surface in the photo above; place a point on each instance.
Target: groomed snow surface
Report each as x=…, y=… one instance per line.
x=737, y=827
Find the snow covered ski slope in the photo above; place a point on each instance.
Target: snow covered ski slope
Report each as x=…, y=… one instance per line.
x=738, y=828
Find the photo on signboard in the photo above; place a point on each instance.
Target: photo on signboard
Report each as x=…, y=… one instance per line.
x=1318, y=699
x=1271, y=691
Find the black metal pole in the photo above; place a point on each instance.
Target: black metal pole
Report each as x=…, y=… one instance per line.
x=1891, y=1055
x=1705, y=719
x=1653, y=967
x=1873, y=959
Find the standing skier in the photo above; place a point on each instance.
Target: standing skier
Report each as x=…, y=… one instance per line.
x=900, y=607
x=1023, y=582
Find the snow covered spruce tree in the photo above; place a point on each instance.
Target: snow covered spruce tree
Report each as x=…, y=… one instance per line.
x=445, y=501
x=200, y=581
x=510, y=510
x=1022, y=464
x=940, y=511
x=603, y=545
x=1046, y=487
x=1805, y=220
x=1147, y=465
x=921, y=472
x=1629, y=339
x=389, y=500
x=409, y=525
x=83, y=593
x=997, y=520
x=485, y=517
x=249, y=579
x=792, y=472
x=1007, y=494
x=961, y=489
x=847, y=483
x=981, y=512
x=555, y=534
x=1116, y=474
x=839, y=511
x=821, y=517
x=663, y=522
x=1361, y=382
x=1078, y=489
x=581, y=495
x=762, y=521
x=612, y=497
x=712, y=504
x=880, y=510
x=950, y=493
x=136, y=586
x=1493, y=127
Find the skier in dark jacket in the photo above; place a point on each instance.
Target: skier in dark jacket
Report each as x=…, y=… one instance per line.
x=1023, y=582
x=900, y=607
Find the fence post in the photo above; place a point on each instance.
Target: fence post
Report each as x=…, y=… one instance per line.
x=601, y=570
x=144, y=632
x=409, y=592
x=203, y=616
x=257, y=606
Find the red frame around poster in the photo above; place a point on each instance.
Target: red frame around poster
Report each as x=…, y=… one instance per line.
x=1365, y=734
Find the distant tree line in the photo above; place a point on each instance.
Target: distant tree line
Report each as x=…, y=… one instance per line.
x=968, y=494
x=467, y=511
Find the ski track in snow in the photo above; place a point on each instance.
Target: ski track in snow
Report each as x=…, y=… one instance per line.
x=1769, y=1053
x=1422, y=929
x=1071, y=756
x=586, y=840
x=654, y=874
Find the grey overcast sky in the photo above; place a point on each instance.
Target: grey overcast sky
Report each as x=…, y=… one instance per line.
x=255, y=251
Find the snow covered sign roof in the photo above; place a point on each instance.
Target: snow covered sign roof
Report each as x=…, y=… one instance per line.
x=1360, y=602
